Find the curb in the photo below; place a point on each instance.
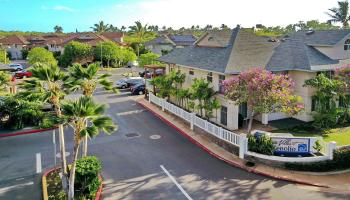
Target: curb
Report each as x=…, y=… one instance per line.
x=25, y=132
x=44, y=185
x=251, y=170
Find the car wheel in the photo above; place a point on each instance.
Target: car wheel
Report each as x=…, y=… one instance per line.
x=141, y=92
x=123, y=87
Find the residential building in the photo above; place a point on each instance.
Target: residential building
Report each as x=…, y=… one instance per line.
x=163, y=44
x=55, y=42
x=219, y=55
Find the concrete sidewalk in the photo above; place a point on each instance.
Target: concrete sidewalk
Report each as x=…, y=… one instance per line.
x=333, y=183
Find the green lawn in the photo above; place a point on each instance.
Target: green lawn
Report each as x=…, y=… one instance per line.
x=339, y=135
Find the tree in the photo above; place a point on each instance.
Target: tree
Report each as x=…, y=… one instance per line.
x=128, y=55
x=47, y=85
x=58, y=29
x=340, y=14
x=100, y=27
x=109, y=52
x=3, y=56
x=76, y=52
x=264, y=92
x=202, y=92
x=87, y=79
x=148, y=58
x=140, y=31
x=5, y=80
x=122, y=29
x=224, y=27
x=86, y=118
x=41, y=55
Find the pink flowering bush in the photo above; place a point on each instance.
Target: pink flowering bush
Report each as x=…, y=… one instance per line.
x=264, y=92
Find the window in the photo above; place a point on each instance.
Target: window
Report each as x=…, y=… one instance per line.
x=347, y=44
x=210, y=77
x=243, y=110
x=223, y=118
x=221, y=86
x=191, y=72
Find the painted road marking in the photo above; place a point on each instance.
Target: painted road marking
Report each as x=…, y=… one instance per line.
x=6, y=189
x=176, y=183
x=38, y=163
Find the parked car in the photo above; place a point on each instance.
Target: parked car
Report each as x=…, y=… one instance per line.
x=134, y=80
x=149, y=74
x=16, y=67
x=23, y=74
x=132, y=64
x=138, y=89
x=122, y=83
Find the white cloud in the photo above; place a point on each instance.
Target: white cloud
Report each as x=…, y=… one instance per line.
x=59, y=8
x=178, y=13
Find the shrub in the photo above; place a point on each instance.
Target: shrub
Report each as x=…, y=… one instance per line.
x=340, y=161
x=87, y=181
x=262, y=144
x=41, y=55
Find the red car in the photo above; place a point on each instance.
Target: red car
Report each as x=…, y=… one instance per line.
x=23, y=74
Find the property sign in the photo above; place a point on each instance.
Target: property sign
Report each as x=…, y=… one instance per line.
x=291, y=145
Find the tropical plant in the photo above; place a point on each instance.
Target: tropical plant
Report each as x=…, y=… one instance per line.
x=140, y=31
x=107, y=52
x=86, y=118
x=262, y=144
x=87, y=79
x=76, y=52
x=100, y=27
x=264, y=92
x=163, y=86
x=4, y=56
x=58, y=29
x=340, y=13
x=202, y=93
x=41, y=55
x=47, y=85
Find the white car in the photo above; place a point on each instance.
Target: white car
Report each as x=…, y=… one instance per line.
x=16, y=67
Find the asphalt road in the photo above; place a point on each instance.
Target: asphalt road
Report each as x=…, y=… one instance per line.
x=144, y=159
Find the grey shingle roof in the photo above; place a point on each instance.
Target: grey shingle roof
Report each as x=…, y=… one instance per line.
x=295, y=54
x=325, y=37
x=207, y=58
x=183, y=40
x=163, y=39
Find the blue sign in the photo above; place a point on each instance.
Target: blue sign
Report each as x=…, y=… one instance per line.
x=291, y=145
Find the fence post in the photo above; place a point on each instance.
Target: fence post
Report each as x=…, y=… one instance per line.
x=192, y=120
x=331, y=147
x=163, y=102
x=149, y=97
x=265, y=118
x=221, y=132
x=242, y=145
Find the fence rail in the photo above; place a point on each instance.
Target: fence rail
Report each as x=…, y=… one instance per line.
x=205, y=125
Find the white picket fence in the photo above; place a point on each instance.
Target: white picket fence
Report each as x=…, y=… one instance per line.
x=239, y=140
x=194, y=120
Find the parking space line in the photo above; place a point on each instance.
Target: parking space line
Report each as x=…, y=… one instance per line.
x=176, y=183
x=38, y=163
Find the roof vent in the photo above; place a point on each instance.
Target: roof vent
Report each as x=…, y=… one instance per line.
x=310, y=32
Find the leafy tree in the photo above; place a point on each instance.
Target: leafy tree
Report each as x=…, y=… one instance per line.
x=5, y=80
x=140, y=31
x=163, y=85
x=76, y=52
x=109, y=52
x=4, y=56
x=148, y=58
x=122, y=29
x=47, y=85
x=58, y=29
x=86, y=118
x=41, y=55
x=340, y=13
x=224, y=27
x=128, y=55
x=202, y=92
x=263, y=92
x=100, y=27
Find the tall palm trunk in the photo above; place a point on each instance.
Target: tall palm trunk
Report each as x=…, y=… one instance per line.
x=62, y=149
x=72, y=171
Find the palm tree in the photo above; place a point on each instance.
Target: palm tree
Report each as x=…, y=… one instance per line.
x=140, y=32
x=47, y=83
x=101, y=27
x=86, y=118
x=58, y=29
x=87, y=79
x=340, y=14
x=122, y=29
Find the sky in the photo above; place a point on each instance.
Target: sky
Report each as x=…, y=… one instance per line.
x=43, y=15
